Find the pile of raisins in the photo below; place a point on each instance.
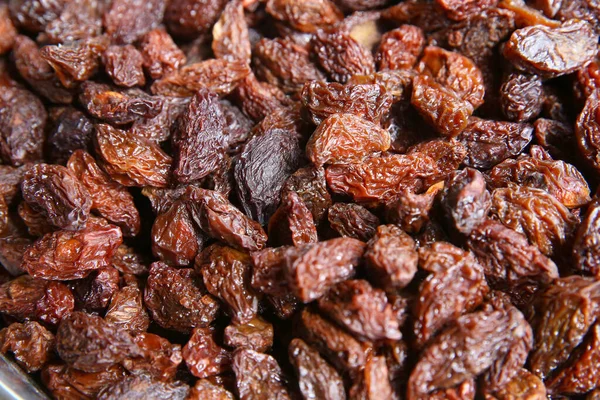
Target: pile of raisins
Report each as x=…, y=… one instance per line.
x=285, y=199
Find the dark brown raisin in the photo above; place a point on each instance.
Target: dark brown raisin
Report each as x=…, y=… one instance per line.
x=70, y=130
x=352, y=220
x=176, y=299
x=141, y=386
x=128, y=20
x=231, y=39
x=342, y=56
x=305, y=16
x=309, y=183
x=188, y=19
x=30, y=343
x=391, y=257
x=124, y=65
x=255, y=335
x=79, y=19
x=521, y=96
x=258, y=376
x=160, y=54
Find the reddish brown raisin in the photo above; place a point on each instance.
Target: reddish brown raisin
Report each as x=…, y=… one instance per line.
x=127, y=311
x=124, y=65
x=521, y=96
x=256, y=335
x=400, y=48
x=352, y=220
x=292, y=223
x=305, y=16
x=391, y=257
x=231, y=40
x=258, y=376
x=203, y=356
x=159, y=358
x=128, y=20
x=342, y=56
x=160, y=54
x=30, y=343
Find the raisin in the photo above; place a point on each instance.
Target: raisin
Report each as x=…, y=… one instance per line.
x=292, y=223
x=578, y=376
x=188, y=19
x=263, y=167
x=341, y=56
x=66, y=382
x=465, y=200
x=255, y=335
x=22, y=123
x=426, y=15
x=204, y=389
x=539, y=170
x=217, y=75
x=440, y=106
x=521, y=97
x=128, y=20
x=30, y=343
x=127, y=312
x=268, y=270
x=71, y=130
x=159, y=358
x=203, y=356
x=587, y=130
x=37, y=223
x=258, y=99
x=158, y=128
x=119, y=107
x=219, y=219
x=226, y=274
x=371, y=102
x=309, y=183
x=160, y=54
x=174, y=238
x=176, y=299
x=345, y=138
x=383, y=178
x=391, y=257
x=67, y=255
x=490, y=142
x=314, y=268
x=111, y=200
x=556, y=137
x=523, y=385
x=475, y=343
x=585, y=256
x=305, y=16
x=372, y=382
x=10, y=182
x=8, y=33
x=460, y=10
x=400, y=48
x=258, y=376
x=507, y=256
x=316, y=378
x=455, y=286
x=568, y=306
x=231, y=40
x=587, y=81
x=90, y=344
x=352, y=220
x=361, y=309
x=76, y=61
x=340, y=348
x=137, y=387
x=37, y=72
x=290, y=75
x=131, y=160
x=198, y=139
x=570, y=47
x=34, y=15
x=55, y=191
x=79, y=20
x=411, y=211
x=128, y=261
x=124, y=65
x=545, y=221
x=96, y=290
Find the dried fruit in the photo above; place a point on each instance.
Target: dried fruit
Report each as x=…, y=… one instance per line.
x=131, y=160
x=569, y=47
x=127, y=311
x=345, y=138
x=174, y=237
x=128, y=20
x=400, y=48
x=177, y=300
x=292, y=223
x=231, y=39
x=30, y=343
x=309, y=183
x=226, y=274
x=258, y=376
x=188, y=19
x=198, y=140
x=255, y=335
x=67, y=255
x=521, y=97
x=368, y=101
x=159, y=358
x=341, y=56
x=90, y=344
x=316, y=378
x=352, y=220
x=71, y=130
x=305, y=16
x=160, y=54
x=111, y=200
x=124, y=65
x=203, y=356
